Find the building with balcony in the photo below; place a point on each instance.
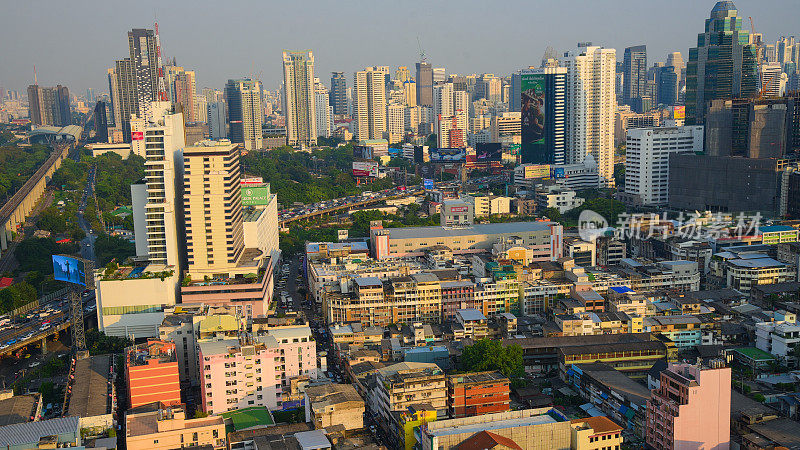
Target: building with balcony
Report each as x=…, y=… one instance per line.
x=157, y=426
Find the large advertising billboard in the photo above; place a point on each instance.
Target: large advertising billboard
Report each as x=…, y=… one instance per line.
x=492, y=151
x=678, y=112
x=365, y=169
x=427, y=183
x=69, y=269
x=255, y=195
x=362, y=152
x=537, y=171
x=534, y=145
x=448, y=155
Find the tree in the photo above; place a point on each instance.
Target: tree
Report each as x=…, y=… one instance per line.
x=108, y=248
x=35, y=254
x=489, y=354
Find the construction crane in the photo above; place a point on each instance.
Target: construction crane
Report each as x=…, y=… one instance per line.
x=752, y=27
x=421, y=52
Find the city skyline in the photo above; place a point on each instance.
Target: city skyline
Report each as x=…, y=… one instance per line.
x=494, y=47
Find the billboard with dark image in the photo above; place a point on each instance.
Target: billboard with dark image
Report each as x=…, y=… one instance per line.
x=448, y=155
x=69, y=269
x=492, y=151
x=534, y=118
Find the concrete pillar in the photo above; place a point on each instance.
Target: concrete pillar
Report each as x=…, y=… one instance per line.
x=44, y=345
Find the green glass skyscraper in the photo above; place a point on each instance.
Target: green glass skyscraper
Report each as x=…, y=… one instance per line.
x=722, y=66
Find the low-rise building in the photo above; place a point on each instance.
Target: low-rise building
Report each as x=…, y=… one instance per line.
x=682, y=330
x=476, y=394
x=558, y=197
x=780, y=336
x=156, y=426
x=152, y=374
x=595, y=433
x=742, y=270
x=332, y=404
x=63, y=432
x=474, y=323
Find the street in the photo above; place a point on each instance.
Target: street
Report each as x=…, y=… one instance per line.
x=87, y=244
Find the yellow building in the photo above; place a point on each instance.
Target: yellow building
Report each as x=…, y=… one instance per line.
x=168, y=428
x=410, y=420
x=595, y=433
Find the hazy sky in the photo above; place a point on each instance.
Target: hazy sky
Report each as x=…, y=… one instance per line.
x=74, y=42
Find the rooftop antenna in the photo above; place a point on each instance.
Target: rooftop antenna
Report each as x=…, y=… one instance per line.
x=162, y=85
x=422, y=57
x=35, y=81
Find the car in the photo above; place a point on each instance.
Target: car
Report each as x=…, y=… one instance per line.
x=35, y=364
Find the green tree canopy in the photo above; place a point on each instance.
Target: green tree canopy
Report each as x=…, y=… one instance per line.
x=487, y=354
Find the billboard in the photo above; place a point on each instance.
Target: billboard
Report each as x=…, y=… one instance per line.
x=137, y=135
x=488, y=152
x=534, y=145
x=69, y=269
x=252, y=180
x=459, y=209
x=365, y=169
x=558, y=172
x=679, y=112
x=362, y=152
x=537, y=171
x=448, y=155
x=427, y=183
x=255, y=195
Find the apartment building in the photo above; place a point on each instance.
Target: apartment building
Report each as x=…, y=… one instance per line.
x=476, y=394
x=166, y=427
x=596, y=433
x=333, y=404
x=254, y=370
x=151, y=373
x=403, y=385
x=682, y=330
x=780, y=336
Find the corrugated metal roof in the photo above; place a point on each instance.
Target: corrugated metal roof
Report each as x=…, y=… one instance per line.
x=31, y=432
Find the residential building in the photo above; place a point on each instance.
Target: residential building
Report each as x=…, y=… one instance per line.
x=476, y=394
x=370, y=94
x=395, y=123
x=647, y=157
x=185, y=91
x=681, y=330
x=255, y=371
x=691, y=408
x=322, y=108
x=543, y=106
x=166, y=427
x=245, y=115
x=217, y=120
x=151, y=374
x=780, y=336
x=596, y=433
x=299, y=106
x=49, y=105
x=634, y=77
x=333, y=404
x=625, y=119
x=487, y=205
x=590, y=108
x=338, y=95
x=724, y=64
x=558, y=197
x=424, y=84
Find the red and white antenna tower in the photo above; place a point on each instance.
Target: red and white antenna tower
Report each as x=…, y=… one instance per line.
x=162, y=85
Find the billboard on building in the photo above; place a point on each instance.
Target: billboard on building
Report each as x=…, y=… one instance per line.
x=492, y=151
x=534, y=146
x=342, y=235
x=448, y=155
x=362, y=152
x=365, y=169
x=69, y=269
x=558, y=172
x=537, y=171
x=137, y=135
x=252, y=180
x=427, y=183
x=255, y=195
x=679, y=112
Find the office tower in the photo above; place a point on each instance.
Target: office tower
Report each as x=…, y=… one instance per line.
x=160, y=137
x=647, y=160
x=439, y=75
x=489, y=87
x=787, y=50
x=216, y=120
x=770, y=80
x=323, y=109
x=634, y=82
x=116, y=112
x=402, y=74
x=185, y=90
x=49, y=105
x=146, y=61
x=101, y=110
x=675, y=59
x=722, y=66
x=543, y=114
x=691, y=408
x=244, y=113
x=668, y=82
x=424, y=84
x=339, y=93
x=410, y=93
x=89, y=95
x=590, y=108
x=451, y=112
x=213, y=95
x=170, y=73
x=299, y=107
x=200, y=108
x=212, y=205
x=370, y=98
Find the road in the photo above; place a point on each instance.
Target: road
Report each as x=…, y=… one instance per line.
x=87, y=245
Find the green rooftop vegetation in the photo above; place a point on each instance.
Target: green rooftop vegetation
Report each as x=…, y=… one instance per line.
x=243, y=419
x=755, y=353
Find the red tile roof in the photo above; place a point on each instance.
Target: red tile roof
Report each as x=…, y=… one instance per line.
x=487, y=440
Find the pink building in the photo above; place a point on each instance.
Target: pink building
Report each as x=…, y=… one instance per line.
x=238, y=373
x=691, y=408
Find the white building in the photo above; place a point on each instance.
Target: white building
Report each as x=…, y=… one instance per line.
x=396, y=123
x=299, y=106
x=591, y=108
x=369, y=92
x=780, y=336
x=558, y=197
x=772, y=80
x=647, y=159
x=323, y=108
x=451, y=112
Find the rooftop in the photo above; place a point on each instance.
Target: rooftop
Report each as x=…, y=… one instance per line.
x=617, y=381
x=600, y=424
x=332, y=394
x=18, y=409
x=90, y=388
x=755, y=354
x=470, y=314
x=471, y=428
x=29, y=433
x=490, y=228
x=477, y=377
x=249, y=417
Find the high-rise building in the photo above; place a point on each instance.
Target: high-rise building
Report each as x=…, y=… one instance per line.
x=691, y=408
x=668, y=85
x=724, y=64
x=439, y=75
x=101, y=114
x=370, y=95
x=543, y=114
x=217, y=120
x=161, y=139
x=675, y=59
x=591, y=106
x=49, y=105
x=212, y=205
x=145, y=57
x=647, y=160
x=244, y=113
x=410, y=93
x=451, y=110
x=771, y=80
x=185, y=89
x=634, y=81
x=424, y=84
x=200, y=108
x=402, y=74
x=338, y=97
x=788, y=51
x=395, y=122
x=489, y=87
x=213, y=95
x=323, y=108
x=122, y=82
x=299, y=107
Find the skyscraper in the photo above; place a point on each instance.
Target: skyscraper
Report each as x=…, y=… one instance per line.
x=49, y=105
x=590, y=108
x=212, y=205
x=675, y=59
x=451, y=111
x=185, y=90
x=543, y=108
x=424, y=84
x=634, y=81
x=143, y=54
x=724, y=64
x=244, y=112
x=216, y=120
x=101, y=110
x=668, y=82
x=322, y=108
x=299, y=107
x=338, y=95
x=370, y=94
